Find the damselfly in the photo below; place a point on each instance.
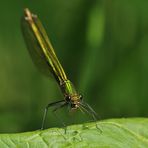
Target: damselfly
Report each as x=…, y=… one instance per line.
x=44, y=57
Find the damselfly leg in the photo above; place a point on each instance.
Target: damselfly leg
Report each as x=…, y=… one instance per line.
x=56, y=105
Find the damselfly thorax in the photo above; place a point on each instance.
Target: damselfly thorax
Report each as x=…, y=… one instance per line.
x=70, y=94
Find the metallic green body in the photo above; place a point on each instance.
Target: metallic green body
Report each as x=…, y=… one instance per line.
x=43, y=54
x=68, y=89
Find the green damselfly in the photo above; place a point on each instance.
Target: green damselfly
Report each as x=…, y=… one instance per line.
x=44, y=57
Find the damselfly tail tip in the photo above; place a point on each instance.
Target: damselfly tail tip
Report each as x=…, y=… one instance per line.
x=27, y=11
x=27, y=14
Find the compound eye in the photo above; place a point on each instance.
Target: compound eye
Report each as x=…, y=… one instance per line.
x=68, y=98
x=81, y=97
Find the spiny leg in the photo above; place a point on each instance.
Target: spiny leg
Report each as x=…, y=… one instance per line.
x=93, y=112
x=96, y=116
x=88, y=109
x=56, y=108
x=54, y=111
x=58, y=104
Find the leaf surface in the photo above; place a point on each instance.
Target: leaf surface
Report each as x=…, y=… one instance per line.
x=111, y=133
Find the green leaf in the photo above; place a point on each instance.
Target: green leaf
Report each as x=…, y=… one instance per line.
x=112, y=133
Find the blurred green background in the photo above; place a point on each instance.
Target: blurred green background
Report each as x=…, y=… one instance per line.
x=103, y=47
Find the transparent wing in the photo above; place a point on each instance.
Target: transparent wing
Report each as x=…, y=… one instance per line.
x=40, y=48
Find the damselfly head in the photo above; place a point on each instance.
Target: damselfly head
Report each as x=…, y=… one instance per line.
x=75, y=101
